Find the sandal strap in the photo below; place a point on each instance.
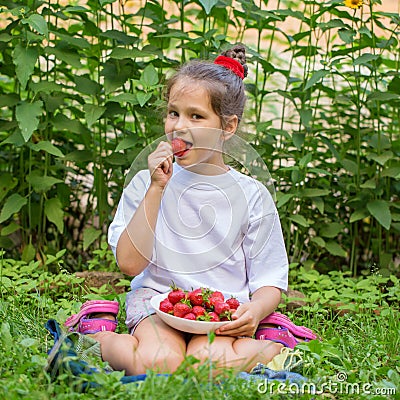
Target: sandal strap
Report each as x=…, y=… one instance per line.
x=285, y=322
x=94, y=325
x=278, y=335
x=92, y=307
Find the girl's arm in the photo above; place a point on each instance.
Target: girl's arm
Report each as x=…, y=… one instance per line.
x=135, y=245
x=247, y=317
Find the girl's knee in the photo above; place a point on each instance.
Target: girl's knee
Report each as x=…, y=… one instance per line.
x=163, y=360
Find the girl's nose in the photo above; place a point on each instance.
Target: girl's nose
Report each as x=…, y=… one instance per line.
x=180, y=124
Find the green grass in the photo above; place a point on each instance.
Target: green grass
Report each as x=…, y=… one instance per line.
x=361, y=346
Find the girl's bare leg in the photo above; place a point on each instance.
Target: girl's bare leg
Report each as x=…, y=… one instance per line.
x=241, y=354
x=154, y=346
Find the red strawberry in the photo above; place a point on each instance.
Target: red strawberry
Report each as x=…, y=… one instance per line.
x=233, y=303
x=213, y=300
x=190, y=316
x=213, y=317
x=166, y=306
x=176, y=295
x=178, y=146
x=221, y=307
x=196, y=297
x=218, y=295
x=181, y=309
x=198, y=311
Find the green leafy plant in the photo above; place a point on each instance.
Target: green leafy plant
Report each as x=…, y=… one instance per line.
x=80, y=94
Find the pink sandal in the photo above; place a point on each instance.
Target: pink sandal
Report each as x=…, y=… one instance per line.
x=87, y=325
x=285, y=333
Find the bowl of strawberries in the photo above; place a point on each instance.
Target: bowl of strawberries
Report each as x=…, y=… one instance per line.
x=198, y=311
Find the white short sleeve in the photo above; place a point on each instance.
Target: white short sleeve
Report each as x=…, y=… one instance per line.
x=264, y=247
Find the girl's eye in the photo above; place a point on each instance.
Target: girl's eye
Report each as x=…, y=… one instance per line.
x=196, y=116
x=172, y=114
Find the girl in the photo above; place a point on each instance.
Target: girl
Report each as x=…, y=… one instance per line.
x=199, y=223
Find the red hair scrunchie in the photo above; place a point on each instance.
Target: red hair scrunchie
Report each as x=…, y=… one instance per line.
x=232, y=64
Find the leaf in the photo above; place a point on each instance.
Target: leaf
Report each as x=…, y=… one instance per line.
x=208, y=5
x=41, y=183
x=86, y=86
x=9, y=100
x=24, y=59
x=79, y=156
x=45, y=87
x=13, y=204
x=7, y=182
x=314, y=192
x=347, y=35
x=119, y=36
x=28, y=117
x=358, y=215
x=305, y=116
x=149, y=76
x=391, y=172
x=298, y=140
x=331, y=230
x=68, y=56
x=143, y=98
x=28, y=254
x=283, y=199
x=73, y=40
x=364, y=30
x=319, y=203
x=364, y=59
x=126, y=143
x=54, y=213
x=125, y=98
x=335, y=249
x=380, y=210
x=9, y=229
x=93, y=113
x=318, y=241
x=46, y=146
x=369, y=184
x=28, y=342
x=299, y=220
x=350, y=166
x=89, y=236
x=116, y=73
x=120, y=53
x=381, y=159
x=316, y=77
x=383, y=96
x=37, y=23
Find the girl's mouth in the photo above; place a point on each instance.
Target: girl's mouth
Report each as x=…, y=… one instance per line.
x=180, y=147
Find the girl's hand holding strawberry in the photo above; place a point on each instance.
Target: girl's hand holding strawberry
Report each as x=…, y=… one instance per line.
x=160, y=164
x=244, y=321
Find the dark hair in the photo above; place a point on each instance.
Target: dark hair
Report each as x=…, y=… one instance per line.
x=225, y=88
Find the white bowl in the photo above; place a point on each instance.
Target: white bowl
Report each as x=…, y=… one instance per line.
x=182, y=324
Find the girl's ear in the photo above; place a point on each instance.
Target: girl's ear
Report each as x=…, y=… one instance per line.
x=231, y=124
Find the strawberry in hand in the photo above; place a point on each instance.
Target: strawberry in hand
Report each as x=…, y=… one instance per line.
x=178, y=147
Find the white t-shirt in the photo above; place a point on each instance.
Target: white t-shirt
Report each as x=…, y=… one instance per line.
x=221, y=231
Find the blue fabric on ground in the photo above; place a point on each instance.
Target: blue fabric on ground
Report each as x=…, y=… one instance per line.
x=271, y=375
x=64, y=357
